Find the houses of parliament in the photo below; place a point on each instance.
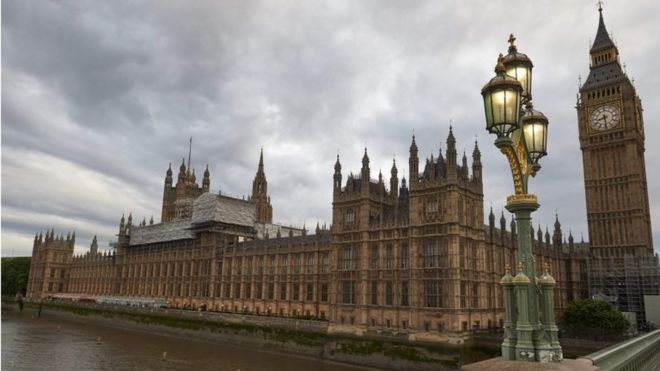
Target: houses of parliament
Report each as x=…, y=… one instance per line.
x=408, y=255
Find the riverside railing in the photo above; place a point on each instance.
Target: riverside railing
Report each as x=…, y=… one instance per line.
x=640, y=353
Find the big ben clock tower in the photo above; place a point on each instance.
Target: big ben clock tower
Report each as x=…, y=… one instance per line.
x=612, y=141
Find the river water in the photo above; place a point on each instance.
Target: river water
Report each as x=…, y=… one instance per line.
x=38, y=344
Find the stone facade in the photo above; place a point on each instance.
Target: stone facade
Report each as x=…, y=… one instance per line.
x=417, y=259
x=50, y=264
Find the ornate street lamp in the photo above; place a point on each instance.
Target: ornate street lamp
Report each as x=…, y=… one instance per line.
x=522, y=136
x=519, y=66
x=535, y=130
x=502, y=97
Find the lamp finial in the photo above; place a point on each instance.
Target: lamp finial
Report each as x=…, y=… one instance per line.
x=500, y=64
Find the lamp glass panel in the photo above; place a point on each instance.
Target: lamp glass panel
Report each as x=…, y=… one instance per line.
x=498, y=99
x=522, y=74
x=535, y=138
x=502, y=110
x=488, y=106
x=512, y=107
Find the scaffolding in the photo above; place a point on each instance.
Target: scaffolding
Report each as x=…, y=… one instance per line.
x=623, y=282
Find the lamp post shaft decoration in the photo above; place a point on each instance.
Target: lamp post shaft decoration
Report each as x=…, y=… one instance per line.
x=529, y=335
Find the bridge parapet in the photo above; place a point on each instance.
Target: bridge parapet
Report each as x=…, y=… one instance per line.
x=639, y=353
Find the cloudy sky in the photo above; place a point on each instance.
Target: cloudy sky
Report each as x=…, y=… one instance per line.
x=98, y=98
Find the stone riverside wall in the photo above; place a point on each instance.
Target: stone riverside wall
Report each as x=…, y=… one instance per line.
x=266, y=321
x=290, y=335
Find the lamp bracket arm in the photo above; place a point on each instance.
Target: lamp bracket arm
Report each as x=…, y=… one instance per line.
x=516, y=154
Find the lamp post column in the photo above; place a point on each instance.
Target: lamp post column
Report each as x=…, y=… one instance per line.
x=553, y=351
x=509, y=343
x=525, y=350
x=522, y=206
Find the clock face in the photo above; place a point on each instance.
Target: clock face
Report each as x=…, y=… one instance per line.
x=605, y=117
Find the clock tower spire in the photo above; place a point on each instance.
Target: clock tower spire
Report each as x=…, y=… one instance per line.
x=612, y=141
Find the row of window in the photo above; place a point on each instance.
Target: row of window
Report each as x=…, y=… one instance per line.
x=432, y=293
x=256, y=264
x=604, y=92
x=256, y=291
x=201, y=268
x=389, y=294
x=431, y=254
x=171, y=289
x=389, y=256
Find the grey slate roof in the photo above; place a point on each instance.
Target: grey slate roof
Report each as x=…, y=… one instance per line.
x=210, y=207
x=603, y=39
x=604, y=74
x=607, y=73
x=272, y=230
x=207, y=208
x=171, y=231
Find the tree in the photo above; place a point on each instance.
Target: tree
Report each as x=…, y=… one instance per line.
x=593, y=317
x=15, y=276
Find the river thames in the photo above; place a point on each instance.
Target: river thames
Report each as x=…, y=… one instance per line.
x=57, y=343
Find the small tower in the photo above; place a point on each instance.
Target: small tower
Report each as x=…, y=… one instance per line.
x=182, y=172
x=452, y=171
x=451, y=149
x=260, y=193
x=122, y=226
x=337, y=178
x=465, y=172
x=404, y=200
x=168, y=176
x=413, y=163
x=394, y=181
x=557, y=235
x=365, y=172
x=167, y=212
x=206, y=182
x=476, y=164
x=94, y=247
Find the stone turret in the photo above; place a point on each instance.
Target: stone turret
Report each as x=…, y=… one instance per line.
x=260, y=193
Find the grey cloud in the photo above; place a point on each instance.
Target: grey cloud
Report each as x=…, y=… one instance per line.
x=114, y=90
